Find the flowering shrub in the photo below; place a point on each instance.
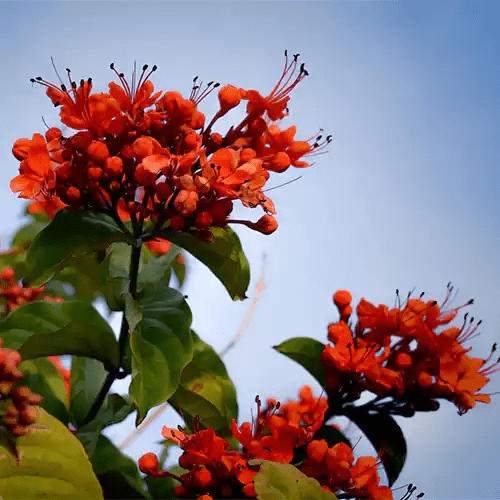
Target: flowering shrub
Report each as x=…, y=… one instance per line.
x=134, y=178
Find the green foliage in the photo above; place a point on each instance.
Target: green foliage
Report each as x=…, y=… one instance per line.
x=206, y=391
x=52, y=464
x=385, y=435
x=307, y=353
x=87, y=378
x=44, y=378
x=115, y=279
x=118, y=474
x=161, y=344
x=114, y=410
x=24, y=237
x=15, y=258
x=224, y=256
x=48, y=328
x=68, y=236
x=157, y=268
x=277, y=481
x=163, y=487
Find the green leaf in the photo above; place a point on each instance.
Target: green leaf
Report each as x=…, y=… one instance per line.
x=118, y=474
x=70, y=235
x=306, y=352
x=25, y=236
x=115, y=275
x=42, y=377
x=87, y=378
x=114, y=410
x=115, y=272
x=52, y=464
x=15, y=258
x=45, y=328
x=206, y=391
x=223, y=256
x=385, y=435
x=179, y=268
x=277, y=481
x=163, y=487
x=161, y=344
x=157, y=268
x=82, y=276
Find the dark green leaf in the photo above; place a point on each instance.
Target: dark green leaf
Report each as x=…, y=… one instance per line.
x=277, y=481
x=161, y=344
x=118, y=474
x=157, y=268
x=15, y=258
x=206, y=391
x=385, y=435
x=69, y=235
x=113, y=411
x=82, y=276
x=25, y=236
x=223, y=256
x=42, y=377
x=163, y=487
x=52, y=464
x=179, y=268
x=115, y=275
x=87, y=378
x=306, y=352
x=45, y=328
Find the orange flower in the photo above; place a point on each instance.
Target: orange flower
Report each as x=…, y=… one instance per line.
x=400, y=353
x=19, y=403
x=37, y=175
x=274, y=105
x=142, y=155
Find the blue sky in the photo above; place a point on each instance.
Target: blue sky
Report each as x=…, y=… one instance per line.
x=406, y=197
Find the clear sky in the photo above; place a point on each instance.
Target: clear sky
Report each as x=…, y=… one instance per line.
x=406, y=197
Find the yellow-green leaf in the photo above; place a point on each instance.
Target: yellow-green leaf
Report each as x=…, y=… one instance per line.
x=52, y=465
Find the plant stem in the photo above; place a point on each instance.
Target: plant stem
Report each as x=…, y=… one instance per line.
x=124, y=335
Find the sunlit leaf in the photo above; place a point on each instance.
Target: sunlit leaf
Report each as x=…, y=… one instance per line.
x=277, y=481
x=52, y=464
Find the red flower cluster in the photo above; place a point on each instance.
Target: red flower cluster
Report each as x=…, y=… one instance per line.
x=333, y=468
x=400, y=353
x=12, y=294
x=18, y=402
x=143, y=154
x=215, y=471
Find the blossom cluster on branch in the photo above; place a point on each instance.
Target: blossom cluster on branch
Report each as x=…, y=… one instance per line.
x=145, y=168
x=18, y=403
x=12, y=294
x=143, y=154
x=401, y=354
x=276, y=434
